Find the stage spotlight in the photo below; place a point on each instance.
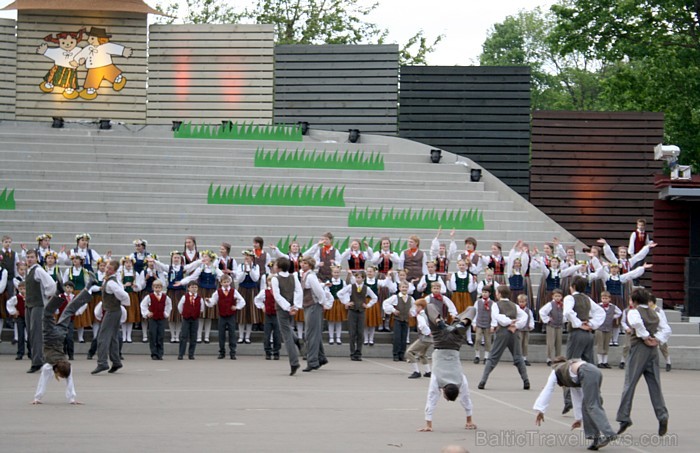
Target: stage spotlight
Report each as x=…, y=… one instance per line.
x=435, y=155
x=176, y=126
x=304, y=125
x=475, y=175
x=57, y=122
x=105, y=125
x=227, y=124
x=353, y=135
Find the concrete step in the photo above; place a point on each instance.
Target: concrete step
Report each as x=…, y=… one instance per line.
x=684, y=328
x=671, y=315
x=684, y=340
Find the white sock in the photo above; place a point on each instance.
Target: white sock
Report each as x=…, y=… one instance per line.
x=207, y=328
x=600, y=358
x=524, y=358
x=415, y=367
x=15, y=337
x=408, y=337
x=200, y=329
x=241, y=331
x=427, y=367
x=331, y=331
x=129, y=329
x=144, y=329
x=371, y=334
x=300, y=330
x=605, y=358
x=81, y=332
x=338, y=331
x=615, y=334
x=486, y=355
x=469, y=335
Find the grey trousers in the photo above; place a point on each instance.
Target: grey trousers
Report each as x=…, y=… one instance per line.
x=107, y=341
x=356, y=329
x=642, y=361
x=553, y=342
x=285, y=320
x=579, y=345
x=33, y=317
x=313, y=326
x=595, y=422
x=505, y=339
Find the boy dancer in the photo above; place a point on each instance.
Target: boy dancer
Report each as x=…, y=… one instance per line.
x=482, y=321
x=552, y=316
x=417, y=352
x=113, y=297
x=355, y=297
x=156, y=308
x=265, y=301
x=604, y=332
x=399, y=305
x=229, y=301
x=40, y=287
x=15, y=309
x=288, y=297
x=191, y=308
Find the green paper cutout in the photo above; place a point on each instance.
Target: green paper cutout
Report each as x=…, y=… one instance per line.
x=280, y=195
x=326, y=160
x=7, y=199
x=234, y=131
x=421, y=219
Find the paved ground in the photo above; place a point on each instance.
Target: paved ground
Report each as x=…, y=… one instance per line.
x=252, y=405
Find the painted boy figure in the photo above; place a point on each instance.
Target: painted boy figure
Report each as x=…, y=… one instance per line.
x=97, y=58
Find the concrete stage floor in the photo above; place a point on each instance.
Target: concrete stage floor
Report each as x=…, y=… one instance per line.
x=252, y=405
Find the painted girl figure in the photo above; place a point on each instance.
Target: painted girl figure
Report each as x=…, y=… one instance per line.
x=62, y=74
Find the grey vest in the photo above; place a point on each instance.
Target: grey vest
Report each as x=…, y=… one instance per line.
x=651, y=323
x=609, y=318
x=508, y=308
x=110, y=302
x=286, y=285
x=403, y=308
x=582, y=307
x=556, y=316
x=34, y=297
x=483, y=319
x=563, y=377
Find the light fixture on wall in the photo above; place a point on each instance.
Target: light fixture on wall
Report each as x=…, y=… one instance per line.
x=304, y=126
x=57, y=122
x=227, y=124
x=353, y=135
x=176, y=126
x=475, y=174
x=435, y=156
x=105, y=125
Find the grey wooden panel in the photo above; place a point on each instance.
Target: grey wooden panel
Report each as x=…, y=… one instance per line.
x=8, y=69
x=479, y=112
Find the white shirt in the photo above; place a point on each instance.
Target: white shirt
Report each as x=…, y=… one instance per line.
x=378, y=257
x=3, y=280
x=597, y=314
x=181, y=304
x=244, y=269
x=497, y=319
x=422, y=324
x=452, y=284
x=634, y=321
x=47, y=375
x=240, y=302
x=545, y=396
x=434, y=396
x=99, y=314
x=423, y=283
x=114, y=287
x=283, y=303
x=389, y=304
x=99, y=56
x=211, y=269
x=451, y=308
x=424, y=264
x=146, y=304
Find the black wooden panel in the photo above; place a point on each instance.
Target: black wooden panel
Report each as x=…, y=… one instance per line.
x=336, y=87
x=480, y=112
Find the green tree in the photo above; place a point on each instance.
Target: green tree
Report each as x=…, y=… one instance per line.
x=559, y=82
x=652, y=50
x=306, y=22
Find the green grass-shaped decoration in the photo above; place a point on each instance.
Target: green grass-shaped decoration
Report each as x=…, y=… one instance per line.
x=396, y=246
x=292, y=195
x=234, y=131
x=422, y=219
x=7, y=199
x=321, y=160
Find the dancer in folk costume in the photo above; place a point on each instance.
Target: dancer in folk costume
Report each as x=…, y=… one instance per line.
x=337, y=314
x=53, y=269
x=497, y=263
x=16, y=310
x=191, y=307
x=207, y=274
x=569, y=260
x=414, y=261
x=461, y=284
x=113, y=297
x=8, y=265
x=140, y=254
x=190, y=253
x=265, y=300
x=385, y=261
x=175, y=290
x=226, y=263
x=288, y=294
x=82, y=248
x=615, y=284
x=78, y=276
x=596, y=285
x=156, y=307
x=426, y=281
x=43, y=246
x=482, y=324
x=314, y=301
x=356, y=258
x=438, y=255
x=639, y=238
x=626, y=262
x=516, y=279
x=399, y=306
x=524, y=333
x=62, y=74
x=4, y=283
x=398, y=277
x=373, y=314
x=552, y=316
x=96, y=292
x=552, y=277
x=151, y=274
x=418, y=351
x=294, y=254
x=228, y=301
x=264, y=262
x=357, y=297
x=40, y=288
x=475, y=261
x=248, y=279
x=132, y=283
x=603, y=335
x=489, y=281
x=325, y=255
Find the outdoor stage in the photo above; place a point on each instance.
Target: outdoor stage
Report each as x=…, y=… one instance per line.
x=252, y=405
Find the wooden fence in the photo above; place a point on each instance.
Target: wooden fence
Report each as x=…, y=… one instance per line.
x=8, y=68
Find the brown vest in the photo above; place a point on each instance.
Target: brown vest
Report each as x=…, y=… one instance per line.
x=507, y=308
x=34, y=296
x=651, y=322
x=110, y=302
x=8, y=263
x=286, y=285
x=403, y=307
x=308, y=299
x=413, y=265
x=563, y=377
x=358, y=298
x=582, y=307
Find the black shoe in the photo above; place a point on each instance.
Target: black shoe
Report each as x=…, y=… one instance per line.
x=19, y=357
x=600, y=365
x=154, y=357
x=549, y=362
x=179, y=357
x=322, y=362
x=470, y=343
x=233, y=357
x=567, y=409
x=668, y=367
x=526, y=385
x=275, y=357
x=623, y=427
x=191, y=357
x=594, y=445
x=89, y=356
x=663, y=427
x=414, y=375
x=476, y=360
x=247, y=341
x=621, y=365
x=99, y=369
x=81, y=341
x=482, y=384
x=605, y=440
x=427, y=374
x=206, y=341
x=34, y=369
x=527, y=363
x=267, y=357
x=310, y=368
x=220, y=356
x=14, y=342
x=396, y=359
x=114, y=368
x=294, y=370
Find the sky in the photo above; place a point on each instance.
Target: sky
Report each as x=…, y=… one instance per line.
x=464, y=23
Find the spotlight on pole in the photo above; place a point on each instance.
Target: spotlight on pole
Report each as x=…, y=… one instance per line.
x=435, y=156
x=176, y=126
x=353, y=135
x=304, y=126
x=57, y=122
x=105, y=125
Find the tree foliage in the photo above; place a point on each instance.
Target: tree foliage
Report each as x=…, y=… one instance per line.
x=305, y=22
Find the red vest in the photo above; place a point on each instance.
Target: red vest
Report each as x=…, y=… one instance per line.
x=227, y=304
x=270, y=309
x=640, y=240
x=157, y=306
x=192, y=307
x=20, y=305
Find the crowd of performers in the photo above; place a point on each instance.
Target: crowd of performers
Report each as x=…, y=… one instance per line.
x=289, y=294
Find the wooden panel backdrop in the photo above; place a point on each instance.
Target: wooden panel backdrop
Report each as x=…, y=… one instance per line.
x=593, y=172
x=8, y=68
x=127, y=29
x=672, y=223
x=338, y=87
x=480, y=112
x=211, y=72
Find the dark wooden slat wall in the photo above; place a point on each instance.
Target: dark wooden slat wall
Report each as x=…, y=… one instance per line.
x=672, y=221
x=593, y=172
x=338, y=87
x=480, y=112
